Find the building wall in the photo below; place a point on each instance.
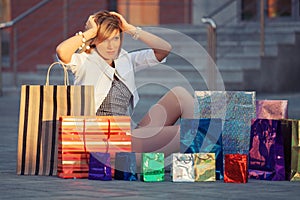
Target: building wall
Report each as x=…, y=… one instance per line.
x=4, y=13
x=175, y=11
x=140, y=12
x=33, y=39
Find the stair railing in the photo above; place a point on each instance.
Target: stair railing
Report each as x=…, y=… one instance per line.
x=212, y=34
x=10, y=24
x=211, y=49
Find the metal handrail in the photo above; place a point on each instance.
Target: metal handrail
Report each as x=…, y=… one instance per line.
x=12, y=23
x=220, y=8
x=211, y=48
x=212, y=35
x=23, y=15
x=212, y=25
x=212, y=29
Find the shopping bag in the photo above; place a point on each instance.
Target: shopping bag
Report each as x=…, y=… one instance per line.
x=40, y=108
x=295, y=160
x=266, y=154
x=205, y=136
x=99, y=166
x=81, y=135
x=153, y=167
x=125, y=166
x=272, y=109
x=290, y=129
x=236, y=109
x=236, y=168
x=205, y=167
x=183, y=167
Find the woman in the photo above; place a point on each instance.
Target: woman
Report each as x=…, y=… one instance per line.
x=96, y=57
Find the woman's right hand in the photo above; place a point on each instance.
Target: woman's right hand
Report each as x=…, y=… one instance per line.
x=91, y=25
x=66, y=49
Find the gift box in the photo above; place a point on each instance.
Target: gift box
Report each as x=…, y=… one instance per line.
x=80, y=135
x=291, y=136
x=153, y=167
x=272, y=109
x=205, y=167
x=205, y=136
x=99, y=166
x=236, y=168
x=183, y=167
x=125, y=166
x=236, y=109
x=266, y=154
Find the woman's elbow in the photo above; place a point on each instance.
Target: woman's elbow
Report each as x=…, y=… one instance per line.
x=163, y=53
x=61, y=55
x=169, y=48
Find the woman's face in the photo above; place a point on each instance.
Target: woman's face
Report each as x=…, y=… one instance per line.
x=109, y=48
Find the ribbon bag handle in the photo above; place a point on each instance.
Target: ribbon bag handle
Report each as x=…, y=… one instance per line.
x=108, y=136
x=66, y=76
x=105, y=140
x=84, y=142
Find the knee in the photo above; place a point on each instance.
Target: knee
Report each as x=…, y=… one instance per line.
x=180, y=92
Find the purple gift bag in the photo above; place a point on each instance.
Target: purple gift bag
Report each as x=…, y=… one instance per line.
x=266, y=154
x=100, y=167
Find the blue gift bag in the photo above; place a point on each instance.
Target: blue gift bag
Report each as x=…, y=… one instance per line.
x=125, y=166
x=203, y=136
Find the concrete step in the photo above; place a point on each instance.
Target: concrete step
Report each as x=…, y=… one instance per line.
x=239, y=62
x=223, y=48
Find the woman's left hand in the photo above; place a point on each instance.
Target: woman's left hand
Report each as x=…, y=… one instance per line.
x=160, y=46
x=125, y=26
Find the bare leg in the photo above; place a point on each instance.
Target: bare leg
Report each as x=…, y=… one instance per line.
x=152, y=139
x=177, y=103
x=156, y=131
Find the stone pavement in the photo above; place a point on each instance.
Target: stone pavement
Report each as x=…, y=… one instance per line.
x=45, y=187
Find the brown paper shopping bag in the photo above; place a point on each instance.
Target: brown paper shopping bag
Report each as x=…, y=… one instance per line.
x=40, y=109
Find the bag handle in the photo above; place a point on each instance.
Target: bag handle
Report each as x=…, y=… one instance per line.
x=84, y=143
x=108, y=136
x=66, y=76
x=105, y=140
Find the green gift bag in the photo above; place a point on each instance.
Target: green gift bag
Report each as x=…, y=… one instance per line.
x=153, y=167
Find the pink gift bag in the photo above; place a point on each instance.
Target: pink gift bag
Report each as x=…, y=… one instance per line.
x=272, y=109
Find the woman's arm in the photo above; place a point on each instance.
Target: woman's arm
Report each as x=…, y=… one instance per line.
x=160, y=46
x=68, y=47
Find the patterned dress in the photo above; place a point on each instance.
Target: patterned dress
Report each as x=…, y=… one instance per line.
x=117, y=100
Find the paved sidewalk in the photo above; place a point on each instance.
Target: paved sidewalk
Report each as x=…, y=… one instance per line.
x=45, y=187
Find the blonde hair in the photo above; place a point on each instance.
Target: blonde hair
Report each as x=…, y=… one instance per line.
x=107, y=23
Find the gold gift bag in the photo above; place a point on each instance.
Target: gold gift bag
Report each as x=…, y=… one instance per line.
x=290, y=129
x=40, y=109
x=295, y=165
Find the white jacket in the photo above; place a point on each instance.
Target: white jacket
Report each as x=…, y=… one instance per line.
x=91, y=69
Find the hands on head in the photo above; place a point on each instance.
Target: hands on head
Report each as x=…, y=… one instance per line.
x=93, y=22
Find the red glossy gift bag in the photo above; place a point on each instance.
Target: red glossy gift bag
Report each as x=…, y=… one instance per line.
x=80, y=135
x=236, y=168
